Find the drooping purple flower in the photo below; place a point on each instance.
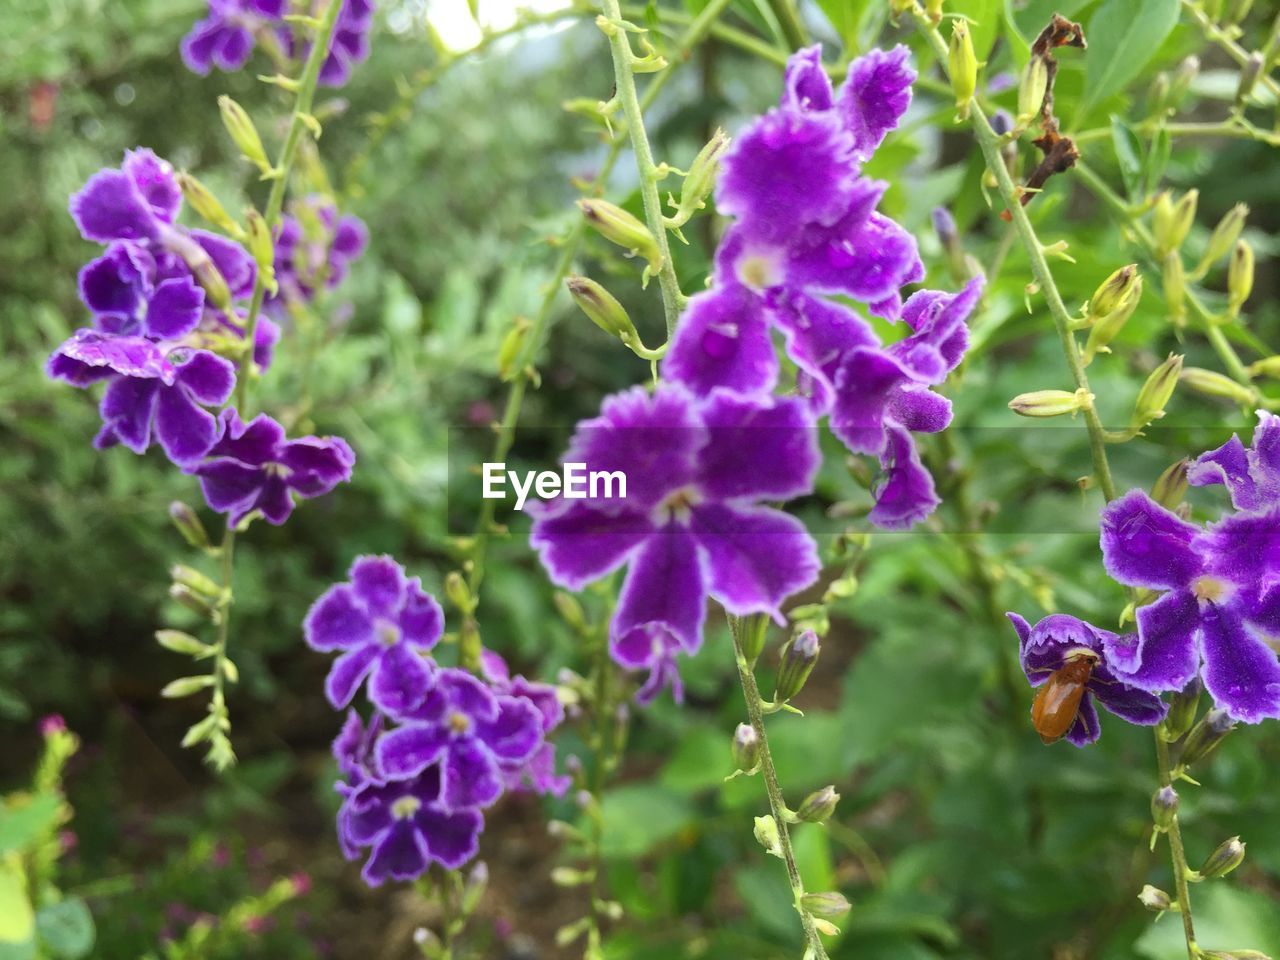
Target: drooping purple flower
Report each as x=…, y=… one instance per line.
x=226, y=37
x=350, y=44
x=1222, y=602
x=353, y=747
x=253, y=467
x=470, y=731
x=807, y=229
x=537, y=773
x=692, y=524
x=1053, y=641
x=137, y=202
x=154, y=391
x=384, y=623
x=314, y=249
x=405, y=826
x=1251, y=474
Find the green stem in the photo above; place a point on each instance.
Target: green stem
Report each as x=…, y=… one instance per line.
x=624, y=77
x=777, y=803
x=1233, y=129
x=990, y=143
x=789, y=21
x=1236, y=52
x=698, y=28
x=1177, y=853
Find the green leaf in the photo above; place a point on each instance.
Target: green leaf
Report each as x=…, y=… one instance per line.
x=1128, y=155
x=638, y=818
x=1123, y=36
x=844, y=16
x=66, y=929
x=22, y=825
x=17, y=923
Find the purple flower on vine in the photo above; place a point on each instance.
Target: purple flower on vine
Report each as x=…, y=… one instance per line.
x=472, y=733
x=693, y=523
x=405, y=826
x=1251, y=475
x=537, y=774
x=806, y=230
x=1220, y=602
x=350, y=44
x=1051, y=643
x=226, y=37
x=314, y=250
x=254, y=467
x=384, y=623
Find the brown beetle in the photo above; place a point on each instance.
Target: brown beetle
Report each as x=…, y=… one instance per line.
x=1058, y=702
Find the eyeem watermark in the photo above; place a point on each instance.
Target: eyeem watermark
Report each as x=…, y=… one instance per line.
x=573, y=482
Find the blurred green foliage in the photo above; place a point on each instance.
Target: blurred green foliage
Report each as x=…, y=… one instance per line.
x=958, y=835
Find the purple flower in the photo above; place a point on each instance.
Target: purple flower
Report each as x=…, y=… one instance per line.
x=1252, y=476
x=1222, y=601
x=314, y=249
x=154, y=390
x=140, y=201
x=226, y=37
x=384, y=622
x=350, y=44
x=470, y=731
x=1056, y=639
x=692, y=523
x=538, y=773
x=253, y=467
x=353, y=747
x=807, y=229
x=406, y=827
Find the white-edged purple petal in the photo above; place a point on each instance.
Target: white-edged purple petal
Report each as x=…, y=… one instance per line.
x=1145, y=545
x=756, y=556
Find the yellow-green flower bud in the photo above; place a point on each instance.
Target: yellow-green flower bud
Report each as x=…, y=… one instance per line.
x=1266, y=367
x=1224, y=237
x=510, y=349
x=570, y=609
x=766, y=832
x=1210, y=383
x=617, y=226
x=798, y=659
x=1228, y=856
x=1109, y=314
x=1250, y=70
x=457, y=591
x=243, y=133
x=962, y=64
x=1239, y=276
x=1155, y=899
x=1158, y=97
x=746, y=748
x=1164, y=807
x=195, y=581
x=189, y=525
x=602, y=308
x=1157, y=391
x=192, y=601
x=261, y=247
x=183, y=643
x=1183, y=704
x=818, y=806
x=1169, y=490
x=827, y=905
x=1238, y=11
x=701, y=178
x=1174, y=280
x=1233, y=955
x=1172, y=221
x=204, y=203
x=1032, y=87
x=1051, y=403
x=1205, y=736
x=1183, y=77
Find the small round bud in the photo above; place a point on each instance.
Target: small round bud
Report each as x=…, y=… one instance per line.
x=1155, y=899
x=1164, y=807
x=798, y=659
x=827, y=905
x=1107, y=325
x=570, y=609
x=701, y=178
x=1182, y=79
x=602, y=308
x=1206, y=735
x=746, y=748
x=204, y=203
x=766, y=834
x=1001, y=122
x=819, y=805
x=945, y=226
x=962, y=64
x=1228, y=856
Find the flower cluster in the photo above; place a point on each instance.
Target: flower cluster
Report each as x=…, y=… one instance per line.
x=442, y=744
x=806, y=229
x=1218, y=584
x=313, y=250
x=166, y=304
x=693, y=524
x=226, y=37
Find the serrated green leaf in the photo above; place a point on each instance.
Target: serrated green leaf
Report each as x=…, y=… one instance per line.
x=1123, y=36
x=66, y=929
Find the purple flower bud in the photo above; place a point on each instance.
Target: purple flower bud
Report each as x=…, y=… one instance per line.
x=1205, y=736
x=1001, y=122
x=1164, y=807
x=798, y=659
x=819, y=805
x=746, y=748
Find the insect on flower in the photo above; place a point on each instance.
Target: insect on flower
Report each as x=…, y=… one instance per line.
x=1057, y=704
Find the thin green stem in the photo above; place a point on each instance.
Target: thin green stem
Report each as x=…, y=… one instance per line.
x=989, y=142
x=1216, y=35
x=777, y=803
x=789, y=21
x=1177, y=853
x=505, y=429
x=624, y=61
x=1233, y=128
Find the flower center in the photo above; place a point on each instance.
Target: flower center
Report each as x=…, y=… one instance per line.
x=1210, y=589
x=405, y=807
x=678, y=506
x=459, y=723
x=759, y=271
x=388, y=633
x=277, y=470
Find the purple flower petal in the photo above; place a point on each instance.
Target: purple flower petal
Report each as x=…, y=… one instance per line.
x=469, y=776
x=1241, y=547
x=401, y=854
x=109, y=207
x=756, y=556
x=766, y=449
x=469, y=695
x=1144, y=545
x=400, y=680
x=865, y=384
x=256, y=443
x=421, y=619
x=406, y=751
x=235, y=265
x=1166, y=657
x=940, y=333
x=337, y=621
x=820, y=334
x=128, y=408
x=516, y=733
x=875, y=95
x=579, y=543
x=184, y=429
x=1126, y=702
x=806, y=85
x=906, y=493
x=380, y=585
x=135, y=357
x=155, y=182
x=348, y=672
x=207, y=377
x=452, y=838
x=663, y=600
x=1086, y=729
x=723, y=341
x=174, y=309
x=1240, y=671
x=865, y=255
x=1229, y=464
